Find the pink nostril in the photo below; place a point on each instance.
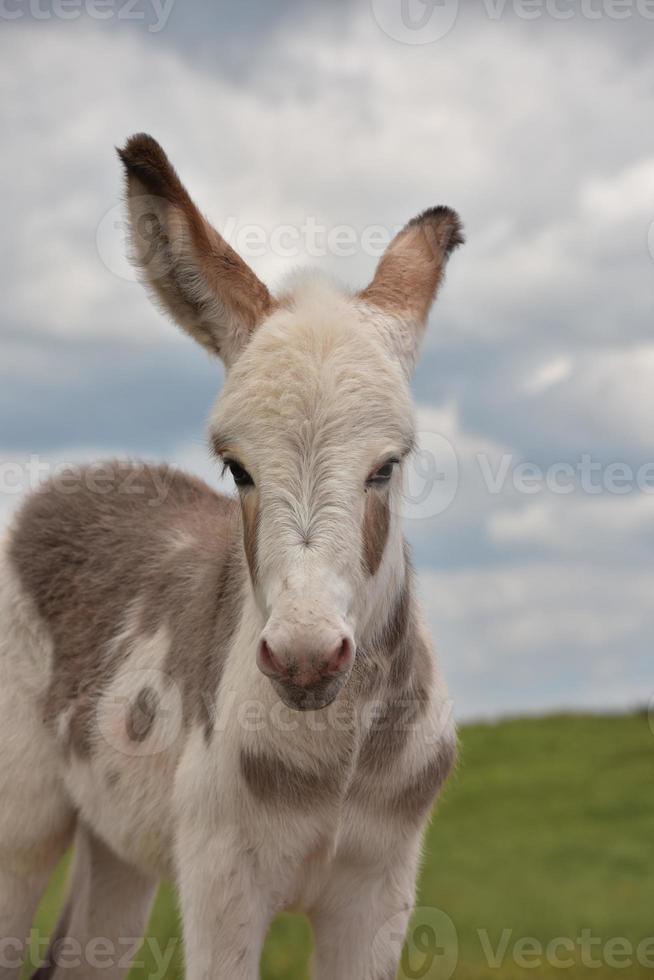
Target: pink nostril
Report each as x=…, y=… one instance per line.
x=304, y=669
x=340, y=657
x=268, y=662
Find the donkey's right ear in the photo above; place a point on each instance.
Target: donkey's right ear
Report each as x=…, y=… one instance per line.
x=191, y=270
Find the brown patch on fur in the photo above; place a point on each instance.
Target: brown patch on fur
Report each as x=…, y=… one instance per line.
x=142, y=714
x=272, y=781
x=250, y=512
x=85, y=556
x=417, y=796
x=390, y=729
x=81, y=728
x=376, y=525
x=412, y=268
x=401, y=683
x=386, y=664
x=112, y=778
x=199, y=600
x=403, y=697
x=175, y=246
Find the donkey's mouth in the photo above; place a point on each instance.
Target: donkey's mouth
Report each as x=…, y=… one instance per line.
x=312, y=698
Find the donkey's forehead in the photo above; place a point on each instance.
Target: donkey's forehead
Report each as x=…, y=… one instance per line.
x=317, y=360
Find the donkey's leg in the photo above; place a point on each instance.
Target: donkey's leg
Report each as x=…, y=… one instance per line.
x=34, y=834
x=20, y=893
x=107, y=914
x=360, y=920
x=36, y=817
x=226, y=907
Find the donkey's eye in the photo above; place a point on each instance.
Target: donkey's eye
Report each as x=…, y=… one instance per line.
x=240, y=475
x=382, y=474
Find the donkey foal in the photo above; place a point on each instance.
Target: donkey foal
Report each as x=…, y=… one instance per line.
x=240, y=695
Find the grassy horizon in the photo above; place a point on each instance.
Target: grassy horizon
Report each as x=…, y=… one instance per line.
x=539, y=862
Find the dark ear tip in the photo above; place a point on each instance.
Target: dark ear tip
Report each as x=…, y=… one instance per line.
x=446, y=223
x=145, y=160
x=140, y=149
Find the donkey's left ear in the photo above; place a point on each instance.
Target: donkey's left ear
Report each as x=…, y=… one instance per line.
x=191, y=270
x=409, y=274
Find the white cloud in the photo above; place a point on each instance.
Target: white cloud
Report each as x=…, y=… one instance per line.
x=552, y=372
x=583, y=526
x=603, y=394
x=537, y=634
x=613, y=200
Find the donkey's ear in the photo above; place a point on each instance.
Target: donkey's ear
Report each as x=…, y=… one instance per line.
x=411, y=270
x=194, y=274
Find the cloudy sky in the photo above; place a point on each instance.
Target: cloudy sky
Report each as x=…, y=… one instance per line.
x=291, y=120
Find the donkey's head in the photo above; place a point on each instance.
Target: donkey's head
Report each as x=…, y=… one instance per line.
x=314, y=420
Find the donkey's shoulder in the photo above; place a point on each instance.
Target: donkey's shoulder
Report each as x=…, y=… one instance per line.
x=125, y=550
x=99, y=534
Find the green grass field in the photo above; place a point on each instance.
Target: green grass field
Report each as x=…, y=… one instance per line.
x=545, y=833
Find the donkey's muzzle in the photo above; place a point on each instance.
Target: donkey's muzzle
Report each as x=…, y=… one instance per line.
x=307, y=680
